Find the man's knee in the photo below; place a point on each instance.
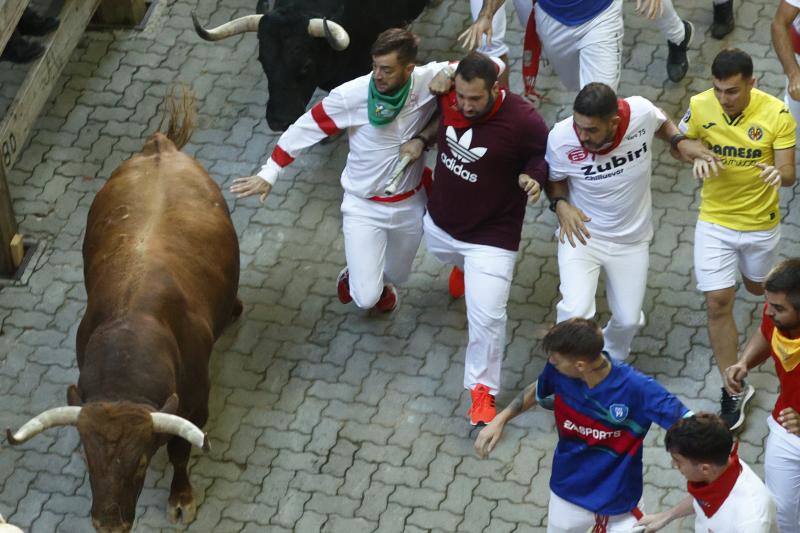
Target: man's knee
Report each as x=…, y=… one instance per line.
x=719, y=304
x=365, y=295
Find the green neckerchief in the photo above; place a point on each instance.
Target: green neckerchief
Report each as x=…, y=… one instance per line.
x=384, y=108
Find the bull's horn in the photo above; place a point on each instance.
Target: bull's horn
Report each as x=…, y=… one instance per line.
x=58, y=416
x=229, y=29
x=337, y=36
x=180, y=427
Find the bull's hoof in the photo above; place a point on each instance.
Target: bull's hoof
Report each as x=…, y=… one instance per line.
x=181, y=508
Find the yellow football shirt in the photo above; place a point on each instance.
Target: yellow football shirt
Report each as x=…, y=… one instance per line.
x=738, y=198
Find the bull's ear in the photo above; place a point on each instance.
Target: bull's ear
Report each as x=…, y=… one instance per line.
x=170, y=407
x=74, y=396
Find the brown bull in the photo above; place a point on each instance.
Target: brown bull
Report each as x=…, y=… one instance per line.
x=161, y=266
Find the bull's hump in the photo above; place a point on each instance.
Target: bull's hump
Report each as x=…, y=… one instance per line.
x=158, y=143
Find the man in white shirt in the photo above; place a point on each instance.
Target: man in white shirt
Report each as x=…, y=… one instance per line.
x=725, y=495
x=384, y=114
x=599, y=187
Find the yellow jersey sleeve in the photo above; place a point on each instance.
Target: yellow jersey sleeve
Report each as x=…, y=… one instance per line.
x=785, y=130
x=688, y=124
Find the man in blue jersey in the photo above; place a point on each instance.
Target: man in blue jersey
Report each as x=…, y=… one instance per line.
x=603, y=410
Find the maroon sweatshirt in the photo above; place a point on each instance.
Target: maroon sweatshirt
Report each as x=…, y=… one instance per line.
x=476, y=196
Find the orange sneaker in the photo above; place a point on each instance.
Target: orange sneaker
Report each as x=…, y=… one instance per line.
x=343, y=286
x=388, y=300
x=483, y=410
x=456, y=284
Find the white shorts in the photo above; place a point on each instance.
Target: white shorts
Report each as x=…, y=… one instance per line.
x=718, y=251
x=566, y=517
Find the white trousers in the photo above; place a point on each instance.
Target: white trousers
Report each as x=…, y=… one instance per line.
x=586, y=53
x=498, y=46
x=782, y=475
x=487, y=280
x=566, y=517
x=380, y=242
x=670, y=24
x=625, y=267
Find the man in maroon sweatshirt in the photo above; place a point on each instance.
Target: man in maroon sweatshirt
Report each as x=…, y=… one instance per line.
x=490, y=161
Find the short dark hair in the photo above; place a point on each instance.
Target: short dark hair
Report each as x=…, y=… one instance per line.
x=702, y=438
x=785, y=278
x=397, y=40
x=730, y=62
x=596, y=100
x=576, y=338
x=477, y=65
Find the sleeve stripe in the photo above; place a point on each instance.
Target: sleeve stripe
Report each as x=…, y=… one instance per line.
x=322, y=119
x=280, y=156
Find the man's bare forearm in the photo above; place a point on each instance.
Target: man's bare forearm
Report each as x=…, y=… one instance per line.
x=490, y=7
x=555, y=189
x=781, y=40
x=524, y=401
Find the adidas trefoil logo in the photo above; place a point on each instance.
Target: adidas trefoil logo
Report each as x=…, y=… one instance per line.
x=461, y=147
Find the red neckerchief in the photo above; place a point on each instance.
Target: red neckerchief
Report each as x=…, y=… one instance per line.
x=624, y=112
x=712, y=495
x=453, y=117
x=531, y=52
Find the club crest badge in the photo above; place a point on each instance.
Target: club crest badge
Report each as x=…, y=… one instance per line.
x=577, y=154
x=619, y=411
x=755, y=133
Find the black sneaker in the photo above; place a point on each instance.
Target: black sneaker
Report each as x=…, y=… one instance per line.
x=31, y=23
x=732, y=407
x=677, y=62
x=19, y=50
x=723, y=20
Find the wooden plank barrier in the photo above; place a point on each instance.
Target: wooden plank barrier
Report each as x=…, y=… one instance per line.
x=31, y=97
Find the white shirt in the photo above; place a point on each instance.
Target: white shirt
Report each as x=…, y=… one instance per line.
x=374, y=150
x=747, y=509
x=612, y=189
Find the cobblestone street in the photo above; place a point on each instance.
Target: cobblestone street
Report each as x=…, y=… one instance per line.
x=325, y=417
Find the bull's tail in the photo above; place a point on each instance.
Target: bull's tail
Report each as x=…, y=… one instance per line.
x=180, y=114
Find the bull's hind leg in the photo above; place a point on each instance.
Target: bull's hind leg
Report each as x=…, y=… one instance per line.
x=181, y=500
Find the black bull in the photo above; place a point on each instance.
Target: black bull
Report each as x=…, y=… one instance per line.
x=299, y=54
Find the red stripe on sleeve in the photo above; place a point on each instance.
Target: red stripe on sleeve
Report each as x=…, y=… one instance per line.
x=280, y=156
x=324, y=122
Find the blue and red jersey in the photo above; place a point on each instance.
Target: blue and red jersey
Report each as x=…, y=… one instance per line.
x=574, y=12
x=597, y=464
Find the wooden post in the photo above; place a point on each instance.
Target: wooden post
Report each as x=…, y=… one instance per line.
x=28, y=103
x=121, y=12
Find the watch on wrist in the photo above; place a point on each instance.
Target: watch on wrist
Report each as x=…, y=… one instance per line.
x=554, y=202
x=677, y=138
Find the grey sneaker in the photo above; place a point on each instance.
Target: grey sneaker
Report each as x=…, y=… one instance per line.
x=723, y=22
x=732, y=406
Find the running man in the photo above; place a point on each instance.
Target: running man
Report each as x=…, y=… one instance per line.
x=738, y=227
x=603, y=410
x=786, y=41
x=383, y=113
x=725, y=495
x=779, y=338
x=600, y=171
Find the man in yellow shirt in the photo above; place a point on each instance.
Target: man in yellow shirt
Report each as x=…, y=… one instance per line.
x=753, y=135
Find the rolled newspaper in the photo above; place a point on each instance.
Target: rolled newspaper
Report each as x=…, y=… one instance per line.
x=391, y=185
